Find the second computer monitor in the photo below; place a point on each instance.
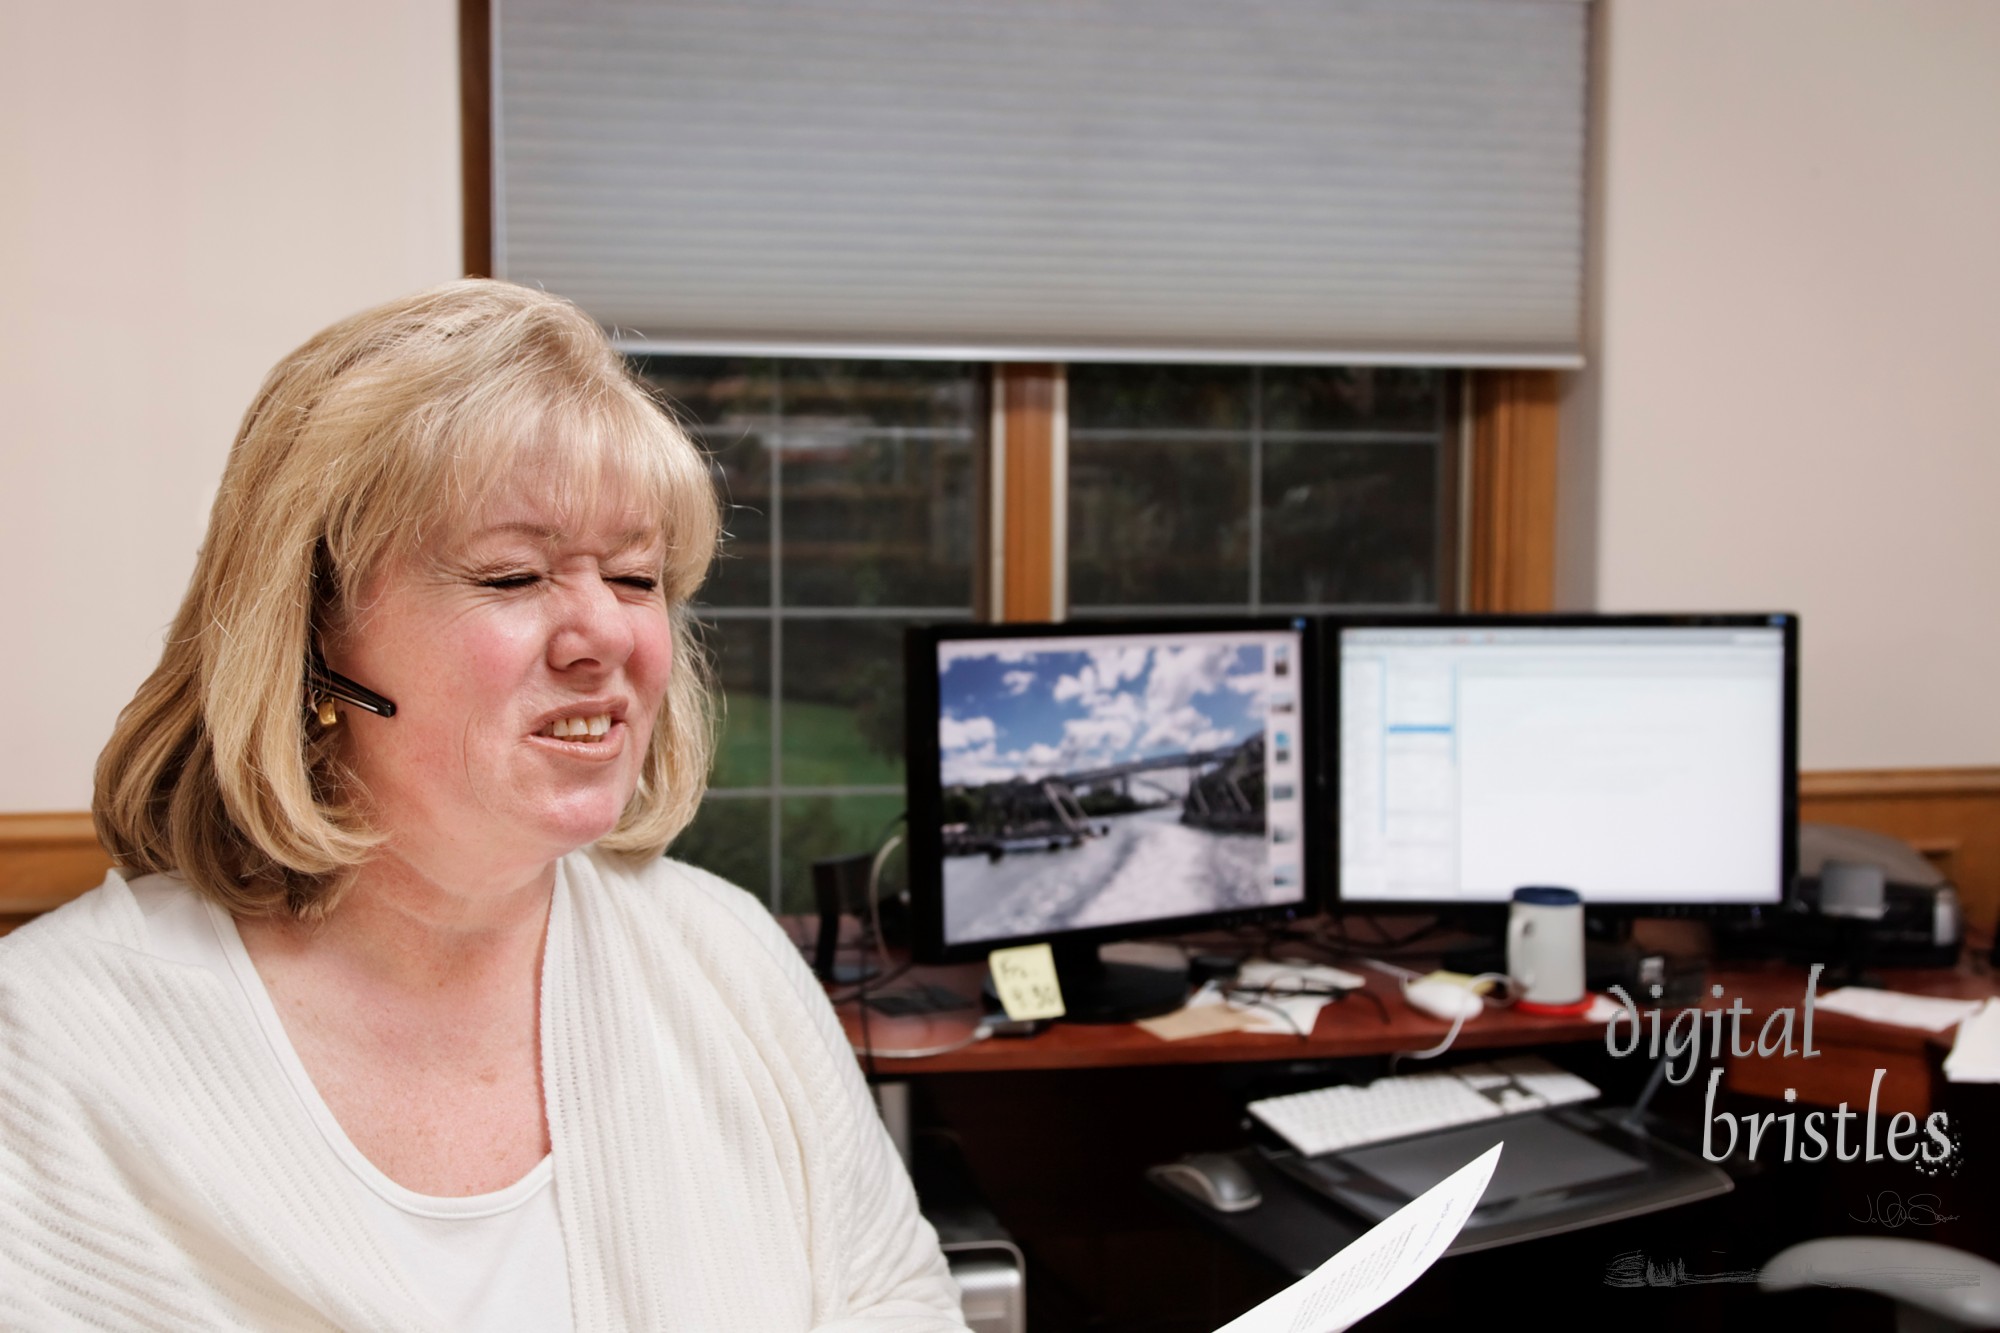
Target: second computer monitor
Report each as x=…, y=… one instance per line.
x=1649, y=762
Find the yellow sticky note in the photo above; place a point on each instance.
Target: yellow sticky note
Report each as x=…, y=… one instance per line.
x=1025, y=979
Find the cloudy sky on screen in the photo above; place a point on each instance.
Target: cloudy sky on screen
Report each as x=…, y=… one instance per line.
x=1007, y=712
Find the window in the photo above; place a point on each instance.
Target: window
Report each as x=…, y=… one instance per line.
x=854, y=491
x=850, y=494
x=1242, y=488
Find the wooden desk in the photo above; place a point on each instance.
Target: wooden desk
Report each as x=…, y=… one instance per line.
x=1058, y=1148
x=1355, y=1026
x=1851, y=1049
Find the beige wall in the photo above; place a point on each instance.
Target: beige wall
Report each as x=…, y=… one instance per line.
x=191, y=190
x=1798, y=339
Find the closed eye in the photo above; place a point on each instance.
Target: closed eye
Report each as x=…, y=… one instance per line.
x=641, y=582
x=505, y=581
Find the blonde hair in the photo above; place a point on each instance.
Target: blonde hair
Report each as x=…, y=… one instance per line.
x=384, y=433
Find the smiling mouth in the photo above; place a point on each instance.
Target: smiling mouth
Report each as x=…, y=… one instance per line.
x=588, y=730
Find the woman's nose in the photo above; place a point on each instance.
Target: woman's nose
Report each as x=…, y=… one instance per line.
x=591, y=628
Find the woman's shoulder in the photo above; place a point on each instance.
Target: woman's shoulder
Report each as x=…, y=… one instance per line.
x=694, y=906
x=106, y=915
x=89, y=956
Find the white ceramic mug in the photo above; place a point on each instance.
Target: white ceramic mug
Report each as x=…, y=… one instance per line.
x=1545, y=946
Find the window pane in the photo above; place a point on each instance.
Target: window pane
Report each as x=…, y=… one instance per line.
x=1297, y=486
x=1350, y=524
x=814, y=827
x=1158, y=522
x=878, y=520
x=1376, y=398
x=741, y=650
x=1151, y=397
x=730, y=404
x=729, y=395
x=853, y=485
x=859, y=394
x=741, y=575
x=730, y=838
x=843, y=703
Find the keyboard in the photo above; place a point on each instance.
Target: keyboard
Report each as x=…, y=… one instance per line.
x=1352, y=1115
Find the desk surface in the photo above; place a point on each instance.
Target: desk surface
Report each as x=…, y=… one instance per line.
x=1060, y=1144
x=1361, y=1027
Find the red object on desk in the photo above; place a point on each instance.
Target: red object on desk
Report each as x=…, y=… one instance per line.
x=1570, y=1010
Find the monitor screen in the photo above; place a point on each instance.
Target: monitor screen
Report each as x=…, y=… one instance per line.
x=1643, y=761
x=1104, y=780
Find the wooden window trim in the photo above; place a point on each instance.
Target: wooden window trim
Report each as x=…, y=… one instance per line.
x=475, y=140
x=1511, y=564
x=1029, y=435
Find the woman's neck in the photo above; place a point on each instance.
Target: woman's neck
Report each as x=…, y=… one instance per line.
x=398, y=926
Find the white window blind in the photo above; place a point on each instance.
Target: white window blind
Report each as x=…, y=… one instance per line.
x=1360, y=181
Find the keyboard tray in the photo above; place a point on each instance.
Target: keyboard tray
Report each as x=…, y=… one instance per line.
x=1561, y=1170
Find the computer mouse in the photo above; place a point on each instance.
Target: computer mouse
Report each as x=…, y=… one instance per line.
x=1215, y=1178
x=1442, y=999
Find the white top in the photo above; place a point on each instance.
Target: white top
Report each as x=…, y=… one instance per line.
x=486, y=1263
x=717, y=1163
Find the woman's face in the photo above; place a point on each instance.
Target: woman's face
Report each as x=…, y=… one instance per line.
x=528, y=660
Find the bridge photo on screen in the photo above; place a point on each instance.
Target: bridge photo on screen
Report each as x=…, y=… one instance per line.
x=1117, y=779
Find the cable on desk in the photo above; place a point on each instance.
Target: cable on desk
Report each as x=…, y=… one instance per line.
x=1456, y=1023
x=890, y=841
x=1388, y=969
x=973, y=1038
x=1375, y=1000
x=855, y=991
x=1433, y=1052
x=1333, y=935
x=1254, y=999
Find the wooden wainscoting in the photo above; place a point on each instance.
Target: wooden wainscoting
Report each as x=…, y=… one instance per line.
x=46, y=860
x=1951, y=815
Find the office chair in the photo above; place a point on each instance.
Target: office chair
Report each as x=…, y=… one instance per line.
x=1936, y=1288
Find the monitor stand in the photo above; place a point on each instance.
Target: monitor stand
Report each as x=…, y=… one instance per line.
x=1096, y=991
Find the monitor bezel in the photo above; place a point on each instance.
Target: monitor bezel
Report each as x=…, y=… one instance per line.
x=1336, y=899
x=925, y=794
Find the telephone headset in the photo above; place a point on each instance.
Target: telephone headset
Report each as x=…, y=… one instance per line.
x=328, y=685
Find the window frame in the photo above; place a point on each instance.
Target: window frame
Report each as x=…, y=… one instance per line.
x=1504, y=492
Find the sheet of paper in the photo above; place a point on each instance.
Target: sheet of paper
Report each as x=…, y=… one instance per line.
x=1196, y=1021
x=1025, y=980
x=1373, y=1270
x=1904, y=1011
x=1289, y=1015
x=1975, y=1055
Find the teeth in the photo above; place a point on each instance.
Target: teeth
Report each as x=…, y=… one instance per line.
x=578, y=728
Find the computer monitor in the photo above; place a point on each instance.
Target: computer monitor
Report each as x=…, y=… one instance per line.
x=1086, y=782
x=1648, y=762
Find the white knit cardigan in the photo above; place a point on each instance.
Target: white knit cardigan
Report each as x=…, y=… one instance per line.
x=718, y=1162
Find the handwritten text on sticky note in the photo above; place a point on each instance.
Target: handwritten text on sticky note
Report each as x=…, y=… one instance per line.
x=1025, y=979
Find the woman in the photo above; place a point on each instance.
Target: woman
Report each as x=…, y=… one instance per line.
x=393, y=1016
